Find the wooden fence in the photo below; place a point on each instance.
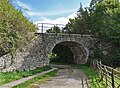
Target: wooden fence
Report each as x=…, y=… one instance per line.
x=110, y=76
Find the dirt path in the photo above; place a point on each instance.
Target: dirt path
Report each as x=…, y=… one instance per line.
x=67, y=77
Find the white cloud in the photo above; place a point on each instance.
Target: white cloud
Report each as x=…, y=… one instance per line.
x=73, y=15
x=23, y=5
x=60, y=20
x=50, y=13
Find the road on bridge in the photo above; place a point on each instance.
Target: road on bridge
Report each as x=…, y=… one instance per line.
x=67, y=77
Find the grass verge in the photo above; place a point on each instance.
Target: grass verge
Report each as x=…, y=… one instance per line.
x=93, y=77
x=12, y=76
x=35, y=82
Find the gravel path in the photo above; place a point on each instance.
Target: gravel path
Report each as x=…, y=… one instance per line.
x=67, y=78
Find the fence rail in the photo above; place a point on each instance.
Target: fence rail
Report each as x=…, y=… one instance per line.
x=107, y=74
x=43, y=27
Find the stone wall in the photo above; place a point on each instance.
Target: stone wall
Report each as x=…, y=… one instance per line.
x=26, y=58
x=35, y=53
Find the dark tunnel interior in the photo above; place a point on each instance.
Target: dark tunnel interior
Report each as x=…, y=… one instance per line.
x=64, y=54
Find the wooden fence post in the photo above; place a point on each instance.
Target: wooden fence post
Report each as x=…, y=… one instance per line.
x=101, y=70
x=112, y=78
x=107, y=74
x=93, y=64
x=106, y=71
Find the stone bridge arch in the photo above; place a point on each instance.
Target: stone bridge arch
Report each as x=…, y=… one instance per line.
x=35, y=53
x=79, y=45
x=80, y=53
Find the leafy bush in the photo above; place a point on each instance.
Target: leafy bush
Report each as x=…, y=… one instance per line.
x=53, y=57
x=15, y=29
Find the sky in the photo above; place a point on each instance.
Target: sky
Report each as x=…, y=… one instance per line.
x=50, y=11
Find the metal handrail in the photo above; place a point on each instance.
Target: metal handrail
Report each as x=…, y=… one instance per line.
x=43, y=27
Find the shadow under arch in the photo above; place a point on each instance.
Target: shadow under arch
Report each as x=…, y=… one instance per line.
x=75, y=51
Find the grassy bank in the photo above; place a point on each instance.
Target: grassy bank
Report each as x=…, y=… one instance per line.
x=33, y=83
x=93, y=77
x=12, y=76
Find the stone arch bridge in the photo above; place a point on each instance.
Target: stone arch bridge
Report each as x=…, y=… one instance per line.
x=35, y=54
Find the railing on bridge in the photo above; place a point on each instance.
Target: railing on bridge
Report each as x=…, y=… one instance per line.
x=50, y=28
x=109, y=75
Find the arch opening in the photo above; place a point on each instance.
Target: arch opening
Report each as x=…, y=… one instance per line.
x=69, y=52
x=64, y=54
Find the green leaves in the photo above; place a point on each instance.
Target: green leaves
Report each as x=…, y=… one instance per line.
x=15, y=29
x=54, y=29
x=81, y=23
x=101, y=20
x=105, y=19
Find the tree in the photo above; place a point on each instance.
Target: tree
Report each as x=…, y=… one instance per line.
x=83, y=20
x=106, y=20
x=15, y=29
x=81, y=23
x=105, y=25
x=54, y=29
x=101, y=20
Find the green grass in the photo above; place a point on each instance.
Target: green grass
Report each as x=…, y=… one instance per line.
x=93, y=77
x=118, y=68
x=12, y=76
x=33, y=83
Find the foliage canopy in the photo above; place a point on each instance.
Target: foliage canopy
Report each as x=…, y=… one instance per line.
x=102, y=21
x=15, y=29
